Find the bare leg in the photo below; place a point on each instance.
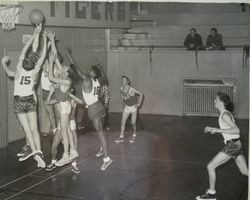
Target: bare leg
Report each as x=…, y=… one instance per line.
x=32, y=116
x=75, y=138
x=71, y=140
x=56, y=141
x=218, y=160
x=50, y=110
x=24, y=121
x=98, y=124
x=242, y=165
x=125, y=116
x=64, y=122
x=133, y=119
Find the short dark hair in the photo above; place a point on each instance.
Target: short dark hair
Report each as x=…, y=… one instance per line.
x=214, y=29
x=30, y=61
x=97, y=71
x=193, y=29
x=128, y=80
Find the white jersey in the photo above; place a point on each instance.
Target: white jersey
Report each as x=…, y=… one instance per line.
x=45, y=82
x=223, y=125
x=24, y=84
x=93, y=96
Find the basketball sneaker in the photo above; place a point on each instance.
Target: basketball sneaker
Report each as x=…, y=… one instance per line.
x=24, y=149
x=40, y=162
x=100, y=153
x=73, y=155
x=63, y=161
x=26, y=154
x=106, y=164
x=75, y=169
x=119, y=140
x=132, y=140
x=50, y=167
x=207, y=196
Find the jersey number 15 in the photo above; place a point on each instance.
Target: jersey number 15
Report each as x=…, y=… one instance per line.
x=25, y=80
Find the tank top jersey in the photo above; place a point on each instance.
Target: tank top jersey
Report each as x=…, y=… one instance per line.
x=45, y=82
x=93, y=96
x=223, y=125
x=129, y=99
x=62, y=96
x=24, y=84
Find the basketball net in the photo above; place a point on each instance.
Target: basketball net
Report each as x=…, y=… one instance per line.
x=8, y=15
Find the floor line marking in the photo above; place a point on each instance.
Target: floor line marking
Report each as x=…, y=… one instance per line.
x=26, y=175
x=24, y=190
x=169, y=160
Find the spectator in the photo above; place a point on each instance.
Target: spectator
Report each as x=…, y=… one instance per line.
x=193, y=40
x=214, y=40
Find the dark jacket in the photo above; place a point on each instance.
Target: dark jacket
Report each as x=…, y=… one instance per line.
x=216, y=40
x=196, y=40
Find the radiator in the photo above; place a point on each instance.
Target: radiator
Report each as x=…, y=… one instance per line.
x=199, y=96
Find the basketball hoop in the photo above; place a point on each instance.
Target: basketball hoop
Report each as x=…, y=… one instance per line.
x=8, y=15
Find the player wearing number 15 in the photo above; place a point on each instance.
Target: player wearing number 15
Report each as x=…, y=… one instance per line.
x=24, y=97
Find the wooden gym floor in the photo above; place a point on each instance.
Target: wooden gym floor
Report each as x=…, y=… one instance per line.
x=167, y=162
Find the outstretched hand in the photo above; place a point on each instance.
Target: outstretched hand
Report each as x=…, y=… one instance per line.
x=38, y=28
x=45, y=33
x=51, y=35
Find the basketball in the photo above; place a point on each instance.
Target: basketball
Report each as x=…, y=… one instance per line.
x=36, y=16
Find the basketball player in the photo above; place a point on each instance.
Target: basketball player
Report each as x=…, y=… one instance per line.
x=105, y=98
x=233, y=147
x=58, y=137
x=49, y=109
x=131, y=105
x=62, y=94
x=24, y=95
x=96, y=110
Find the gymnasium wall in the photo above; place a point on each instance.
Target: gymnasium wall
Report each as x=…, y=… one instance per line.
x=163, y=84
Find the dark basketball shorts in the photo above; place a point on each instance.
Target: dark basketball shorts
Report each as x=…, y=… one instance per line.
x=45, y=94
x=233, y=148
x=96, y=110
x=24, y=104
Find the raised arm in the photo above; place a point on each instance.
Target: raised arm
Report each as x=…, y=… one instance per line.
x=5, y=61
x=35, y=43
x=30, y=42
x=81, y=74
x=44, y=53
x=51, y=36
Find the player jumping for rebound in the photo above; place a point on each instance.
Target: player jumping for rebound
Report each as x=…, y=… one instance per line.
x=24, y=96
x=96, y=110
